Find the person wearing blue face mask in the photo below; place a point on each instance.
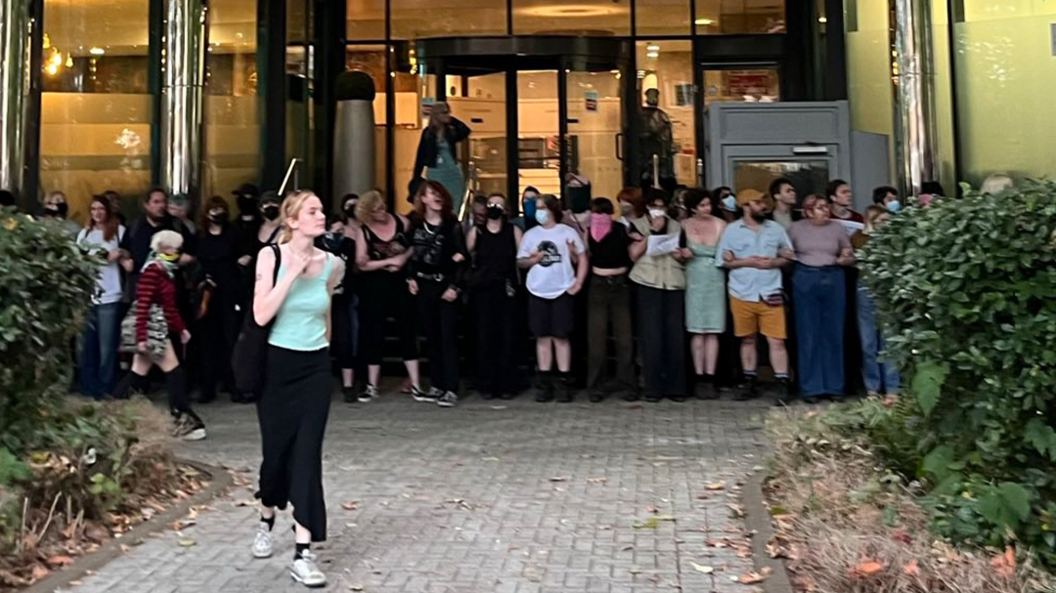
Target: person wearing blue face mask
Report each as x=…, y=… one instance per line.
x=557, y=264
x=529, y=198
x=887, y=197
x=727, y=203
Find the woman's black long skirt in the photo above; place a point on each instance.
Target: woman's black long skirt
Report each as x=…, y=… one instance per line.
x=292, y=411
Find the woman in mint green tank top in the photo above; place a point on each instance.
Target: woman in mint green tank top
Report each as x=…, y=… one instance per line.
x=295, y=402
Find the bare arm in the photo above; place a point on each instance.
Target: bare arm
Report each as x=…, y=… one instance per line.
x=637, y=247
x=363, y=261
x=268, y=297
x=337, y=274
x=471, y=239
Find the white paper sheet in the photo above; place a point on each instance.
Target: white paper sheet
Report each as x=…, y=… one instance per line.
x=662, y=244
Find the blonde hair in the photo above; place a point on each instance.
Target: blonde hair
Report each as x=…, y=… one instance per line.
x=871, y=214
x=366, y=205
x=162, y=239
x=290, y=210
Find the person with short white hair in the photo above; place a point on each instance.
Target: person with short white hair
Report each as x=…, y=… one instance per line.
x=150, y=330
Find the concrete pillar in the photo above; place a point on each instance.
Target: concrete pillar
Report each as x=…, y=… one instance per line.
x=915, y=134
x=15, y=34
x=184, y=44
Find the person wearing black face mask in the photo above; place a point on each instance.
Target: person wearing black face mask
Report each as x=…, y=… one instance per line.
x=493, y=283
x=216, y=323
x=56, y=208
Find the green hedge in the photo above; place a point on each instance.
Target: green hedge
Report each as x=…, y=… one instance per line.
x=966, y=290
x=46, y=284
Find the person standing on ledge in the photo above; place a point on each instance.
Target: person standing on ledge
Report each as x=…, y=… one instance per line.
x=437, y=152
x=295, y=402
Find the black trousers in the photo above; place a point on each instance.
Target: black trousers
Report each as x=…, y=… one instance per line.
x=496, y=313
x=293, y=411
x=661, y=326
x=439, y=322
x=609, y=306
x=217, y=333
x=383, y=295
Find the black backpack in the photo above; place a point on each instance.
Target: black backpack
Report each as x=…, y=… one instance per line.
x=248, y=360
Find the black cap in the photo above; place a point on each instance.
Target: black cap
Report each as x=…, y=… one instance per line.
x=269, y=197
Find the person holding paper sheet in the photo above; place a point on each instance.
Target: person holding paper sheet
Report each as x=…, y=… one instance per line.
x=660, y=283
x=754, y=249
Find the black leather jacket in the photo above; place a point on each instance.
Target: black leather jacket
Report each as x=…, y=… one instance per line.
x=455, y=132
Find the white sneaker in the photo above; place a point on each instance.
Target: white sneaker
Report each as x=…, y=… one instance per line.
x=427, y=396
x=304, y=571
x=448, y=400
x=369, y=394
x=196, y=434
x=262, y=544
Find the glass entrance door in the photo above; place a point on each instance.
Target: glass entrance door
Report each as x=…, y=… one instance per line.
x=533, y=125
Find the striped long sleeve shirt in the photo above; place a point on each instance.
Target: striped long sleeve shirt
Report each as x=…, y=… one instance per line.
x=156, y=286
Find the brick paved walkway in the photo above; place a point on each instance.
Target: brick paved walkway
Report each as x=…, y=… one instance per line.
x=488, y=497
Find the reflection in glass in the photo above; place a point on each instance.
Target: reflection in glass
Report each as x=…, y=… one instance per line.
x=416, y=19
x=595, y=123
x=740, y=16
x=366, y=20
x=572, y=17
x=538, y=132
x=663, y=17
x=484, y=111
x=667, y=66
x=808, y=177
x=232, y=124
x=95, y=111
x=753, y=86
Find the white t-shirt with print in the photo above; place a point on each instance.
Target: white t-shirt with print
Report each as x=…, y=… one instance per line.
x=555, y=274
x=109, y=283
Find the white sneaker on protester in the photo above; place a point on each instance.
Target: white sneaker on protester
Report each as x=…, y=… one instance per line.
x=304, y=571
x=426, y=396
x=448, y=400
x=262, y=544
x=370, y=393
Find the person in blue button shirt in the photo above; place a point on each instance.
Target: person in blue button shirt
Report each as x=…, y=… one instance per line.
x=754, y=249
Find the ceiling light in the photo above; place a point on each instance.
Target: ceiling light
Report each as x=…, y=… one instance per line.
x=823, y=20
x=573, y=10
x=69, y=60
x=652, y=54
x=652, y=47
x=97, y=51
x=704, y=22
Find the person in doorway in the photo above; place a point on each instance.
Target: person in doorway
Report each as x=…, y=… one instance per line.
x=340, y=240
x=822, y=249
x=437, y=152
x=659, y=277
x=705, y=290
x=478, y=213
x=886, y=197
x=608, y=304
x=295, y=403
x=754, y=249
x=494, y=282
x=56, y=208
x=657, y=144
x=383, y=249
x=548, y=252
x=435, y=278
x=154, y=338
x=247, y=198
x=217, y=324
x=838, y=194
x=879, y=376
x=784, y=196
x=99, y=342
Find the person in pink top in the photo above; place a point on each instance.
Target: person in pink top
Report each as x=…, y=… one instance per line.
x=822, y=249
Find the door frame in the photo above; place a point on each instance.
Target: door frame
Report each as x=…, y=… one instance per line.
x=469, y=56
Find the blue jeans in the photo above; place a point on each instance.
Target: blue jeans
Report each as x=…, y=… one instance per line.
x=878, y=375
x=98, y=360
x=820, y=303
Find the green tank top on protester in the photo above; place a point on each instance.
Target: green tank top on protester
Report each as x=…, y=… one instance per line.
x=300, y=323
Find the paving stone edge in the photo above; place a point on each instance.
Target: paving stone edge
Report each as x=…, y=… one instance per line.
x=757, y=521
x=221, y=481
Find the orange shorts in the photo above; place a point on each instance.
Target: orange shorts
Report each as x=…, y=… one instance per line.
x=750, y=318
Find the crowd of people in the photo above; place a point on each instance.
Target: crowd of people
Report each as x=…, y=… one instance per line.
x=646, y=295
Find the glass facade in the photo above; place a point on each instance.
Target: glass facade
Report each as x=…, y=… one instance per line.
x=96, y=108
x=232, y=110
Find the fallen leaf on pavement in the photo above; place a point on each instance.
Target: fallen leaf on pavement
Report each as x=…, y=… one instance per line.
x=59, y=560
x=186, y=542
x=559, y=479
x=912, y=568
x=355, y=587
x=716, y=486
x=866, y=569
x=38, y=572
x=702, y=569
x=350, y=505
x=751, y=578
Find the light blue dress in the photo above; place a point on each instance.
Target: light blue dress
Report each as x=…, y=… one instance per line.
x=705, y=291
x=448, y=173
